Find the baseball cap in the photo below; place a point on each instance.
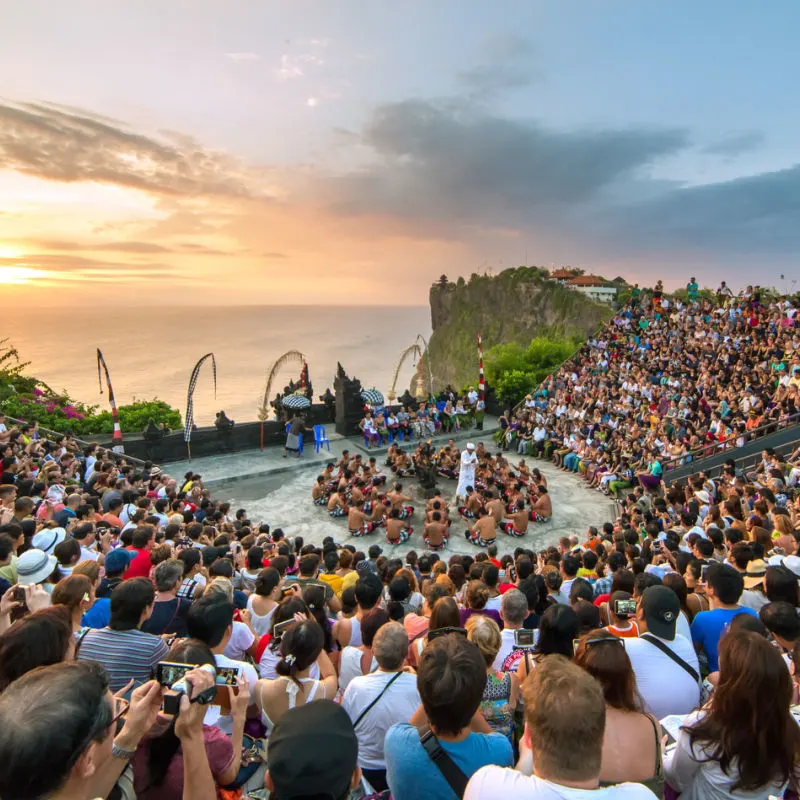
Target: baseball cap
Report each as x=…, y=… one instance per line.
x=375, y=550
x=661, y=607
x=117, y=560
x=48, y=538
x=313, y=752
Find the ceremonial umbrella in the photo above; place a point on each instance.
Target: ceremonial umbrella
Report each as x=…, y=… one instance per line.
x=296, y=401
x=372, y=396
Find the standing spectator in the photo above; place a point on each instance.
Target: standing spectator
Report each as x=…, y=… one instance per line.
x=724, y=586
x=717, y=755
x=377, y=701
x=565, y=716
x=513, y=612
x=126, y=652
x=450, y=679
x=668, y=682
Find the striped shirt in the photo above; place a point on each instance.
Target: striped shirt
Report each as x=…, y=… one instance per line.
x=124, y=654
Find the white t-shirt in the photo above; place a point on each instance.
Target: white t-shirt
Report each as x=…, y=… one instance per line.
x=493, y=603
x=502, y=783
x=506, y=646
x=350, y=666
x=683, y=627
x=689, y=771
x=259, y=623
x=240, y=642
x=666, y=687
x=88, y=554
x=398, y=704
x=213, y=716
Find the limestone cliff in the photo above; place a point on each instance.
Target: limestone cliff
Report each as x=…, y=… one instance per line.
x=514, y=306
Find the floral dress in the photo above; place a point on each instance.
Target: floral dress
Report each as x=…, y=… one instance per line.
x=495, y=704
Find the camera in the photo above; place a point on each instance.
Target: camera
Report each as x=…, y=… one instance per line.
x=166, y=670
x=524, y=637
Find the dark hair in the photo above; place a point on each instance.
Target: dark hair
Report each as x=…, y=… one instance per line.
x=604, y=657
x=444, y=614
x=266, y=581
x=162, y=749
x=451, y=677
x=368, y=591
x=371, y=623
x=190, y=558
x=780, y=618
x=209, y=619
x=581, y=589
x=129, y=599
x=314, y=597
x=285, y=611
x=558, y=627
x=255, y=558
x=37, y=640
x=780, y=584
x=303, y=642
x=754, y=684
x=726, y=582
x=65, y=709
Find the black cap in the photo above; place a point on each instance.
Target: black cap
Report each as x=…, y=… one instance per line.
x=313, y=752
x=661, y=607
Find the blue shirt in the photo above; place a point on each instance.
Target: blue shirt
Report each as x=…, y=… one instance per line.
x=99, y=615
x=411, y=773
x=708, y=627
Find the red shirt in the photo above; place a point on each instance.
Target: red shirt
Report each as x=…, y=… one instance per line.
x=504, y=587
x=140, y=566
x=495, y=562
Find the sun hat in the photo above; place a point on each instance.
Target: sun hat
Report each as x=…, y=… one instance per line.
x=47, y=539
x=756, y=570
x=661, y=607
x=34, y=566
x=313, y=752
x=703, y=496
x=790, y=562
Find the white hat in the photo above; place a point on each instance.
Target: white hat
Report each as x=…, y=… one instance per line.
x=47, y=539
x=34, y=566
x=703, y=496
x=470, y=446
x=790, y=562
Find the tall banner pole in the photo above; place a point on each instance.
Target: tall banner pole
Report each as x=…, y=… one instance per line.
x=481, y=381
x=117, y=445
x=189, y=420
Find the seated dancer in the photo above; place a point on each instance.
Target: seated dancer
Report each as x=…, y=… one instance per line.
x=397, y=531
x=435, y=535
x=437, y=506
x=474, y=503
x=494, y=506
x=542, y=506
x=402, y=464
x=398, y=500
x=517, y=524
x=374, y=472
x=337, y=505
x=448, y=463
x=319, y=492
x=379, y=507
x=357, y=522
x=484, y=531
x=344, y=462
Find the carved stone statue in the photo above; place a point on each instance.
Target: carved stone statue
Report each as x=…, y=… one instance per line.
x=349, y=406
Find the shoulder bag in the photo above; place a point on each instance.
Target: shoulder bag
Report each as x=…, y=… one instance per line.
x=451, y=772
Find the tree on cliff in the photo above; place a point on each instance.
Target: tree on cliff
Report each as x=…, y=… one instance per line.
x=443, y=282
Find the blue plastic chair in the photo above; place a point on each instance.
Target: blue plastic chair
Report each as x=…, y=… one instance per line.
x=321, y=439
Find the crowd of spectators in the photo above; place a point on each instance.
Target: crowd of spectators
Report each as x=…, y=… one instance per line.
x=664, y=382
x=156, y=643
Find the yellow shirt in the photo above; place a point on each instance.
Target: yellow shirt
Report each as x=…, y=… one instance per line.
x=334, y=581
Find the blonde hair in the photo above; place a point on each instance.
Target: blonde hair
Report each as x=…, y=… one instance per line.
x=444, y=580
x=484, y=633
x=91, y=569
x=782, y=524
x=410, y=577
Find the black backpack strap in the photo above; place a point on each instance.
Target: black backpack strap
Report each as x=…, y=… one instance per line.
x=674, y=656
x=381, y=694
x=451, y=772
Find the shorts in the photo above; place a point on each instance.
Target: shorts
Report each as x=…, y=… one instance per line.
x=321, y=501
x=509, y=528
x=338, y=512
x=406, y=511
x=365, y=529
x=405, y=535
x=465, y=512
x=535, y=516
x=434, y=546
x=476, y=538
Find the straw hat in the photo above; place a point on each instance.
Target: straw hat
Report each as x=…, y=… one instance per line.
x=756, y=570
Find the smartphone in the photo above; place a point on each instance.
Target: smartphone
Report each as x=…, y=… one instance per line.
x=281, y=628
x=22, y=609
x=703, y=573
x=228, y=676
x=287, y=591
x=524, y=637
x=169, y=672
x=576, y=643
x=624, y=607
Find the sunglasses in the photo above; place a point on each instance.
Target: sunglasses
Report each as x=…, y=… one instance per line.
x=435, y=634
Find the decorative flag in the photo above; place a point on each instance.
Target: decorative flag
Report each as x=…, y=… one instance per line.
x=187, y=428
x=117, y=446
x=481, y=382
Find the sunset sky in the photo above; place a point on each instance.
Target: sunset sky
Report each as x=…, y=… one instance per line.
x=258, y=151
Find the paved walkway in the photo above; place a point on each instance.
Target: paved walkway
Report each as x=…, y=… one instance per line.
x=285, y=501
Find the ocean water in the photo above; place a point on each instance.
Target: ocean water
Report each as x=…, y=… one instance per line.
x=151, y=352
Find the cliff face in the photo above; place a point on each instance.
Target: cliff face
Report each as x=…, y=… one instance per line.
x=514, y=306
